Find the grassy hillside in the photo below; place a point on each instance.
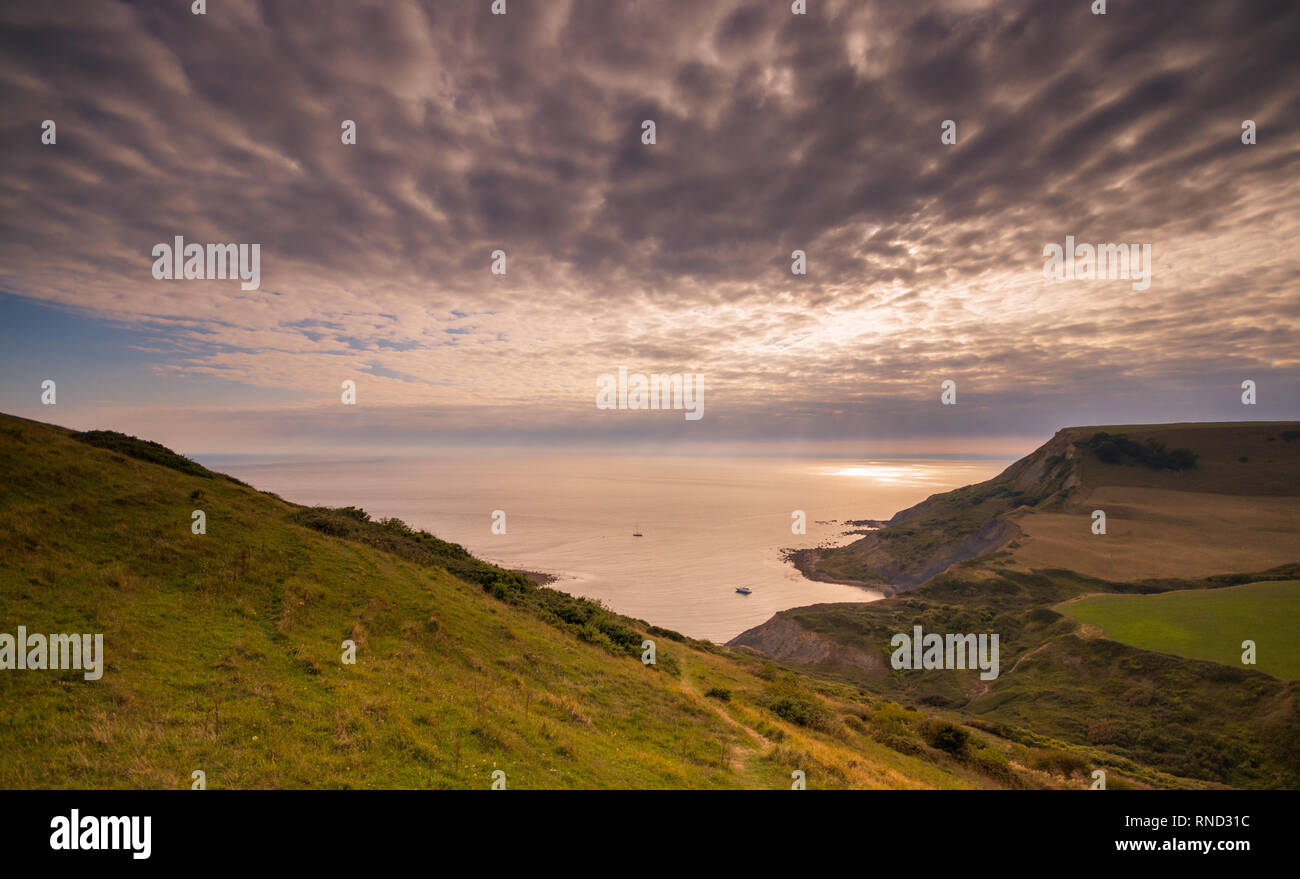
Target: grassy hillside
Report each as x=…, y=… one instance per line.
x=1208, y=624
x=1121, y=705
x=224, y=655
x=1193, y=510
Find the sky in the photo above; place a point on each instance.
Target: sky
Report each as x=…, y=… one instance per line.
x=524, y=133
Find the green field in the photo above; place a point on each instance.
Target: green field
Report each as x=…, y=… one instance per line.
x=1207, y=624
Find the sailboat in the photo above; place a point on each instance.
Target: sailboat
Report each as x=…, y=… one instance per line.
x=637, y=532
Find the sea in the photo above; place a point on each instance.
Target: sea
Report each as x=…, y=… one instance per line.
x=709, y=523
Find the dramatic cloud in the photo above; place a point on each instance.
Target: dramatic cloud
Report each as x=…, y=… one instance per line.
x=775, y=132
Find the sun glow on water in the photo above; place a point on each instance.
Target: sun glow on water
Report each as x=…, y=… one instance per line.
x=886, y=472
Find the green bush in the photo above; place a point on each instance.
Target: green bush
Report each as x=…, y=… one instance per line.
x=891, y=719
x=144, y=450
x=992, y=762
x=947, y=737
x=1119, y=449
x=593, y=635
x=589, y=620
x=667, y=663
x=793, y=709
x=788, y=701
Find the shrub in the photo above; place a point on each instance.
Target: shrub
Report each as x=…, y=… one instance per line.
x=891, y=719
x=589, y=620
x=666, y=663
x=1119, y=449
x=789, y=702
x=991, y=761
x=1109, y=453
x=659, y=632
x=794, y=709
x=592, y=635
x=144, y=450
x=947, y=737
x=720, y=693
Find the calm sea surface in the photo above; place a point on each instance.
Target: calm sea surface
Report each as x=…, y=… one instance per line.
x=710, y=524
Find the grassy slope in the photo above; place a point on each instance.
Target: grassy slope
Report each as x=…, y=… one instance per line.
x=223, y=654
x=1121, y=706
x=1205, y=624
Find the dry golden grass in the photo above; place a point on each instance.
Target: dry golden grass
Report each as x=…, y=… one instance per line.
x=1154, y=533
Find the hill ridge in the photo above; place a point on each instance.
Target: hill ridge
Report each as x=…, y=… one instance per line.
x=950, y=527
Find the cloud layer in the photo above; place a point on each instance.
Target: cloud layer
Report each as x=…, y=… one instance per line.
x=775, y=132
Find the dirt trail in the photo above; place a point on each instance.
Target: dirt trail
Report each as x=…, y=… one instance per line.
x=737, y=760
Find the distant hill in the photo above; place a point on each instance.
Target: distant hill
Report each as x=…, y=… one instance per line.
x=1180, y=500
x=1187, y=507
x=223, y=654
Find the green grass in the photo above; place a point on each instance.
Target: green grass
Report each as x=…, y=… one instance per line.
x=1207, y=624
x=1166, y=720
x=223, y=654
